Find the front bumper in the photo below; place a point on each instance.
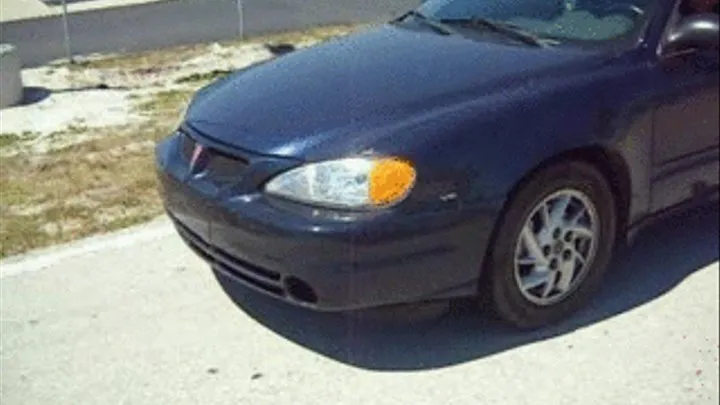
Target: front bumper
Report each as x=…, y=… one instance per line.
x=322, y=259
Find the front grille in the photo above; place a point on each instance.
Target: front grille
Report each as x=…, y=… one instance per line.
x=215, y=162
x=224, y=165
x=188, y=144
x=255, y=277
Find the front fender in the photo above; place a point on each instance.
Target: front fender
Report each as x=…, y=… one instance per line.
x=477, y=151
x=492, y=144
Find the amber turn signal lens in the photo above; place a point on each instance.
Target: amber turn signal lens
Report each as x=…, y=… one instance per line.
x=390, y=181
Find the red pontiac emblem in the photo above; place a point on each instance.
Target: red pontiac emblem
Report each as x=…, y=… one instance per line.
x=196, y=155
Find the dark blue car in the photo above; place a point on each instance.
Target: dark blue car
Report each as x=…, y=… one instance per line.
x=492, y=148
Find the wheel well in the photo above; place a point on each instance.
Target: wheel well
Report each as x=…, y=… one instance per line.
x=613, y=168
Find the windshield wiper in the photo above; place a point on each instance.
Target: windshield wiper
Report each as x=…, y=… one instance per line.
x=435, y=25
x=508, y=30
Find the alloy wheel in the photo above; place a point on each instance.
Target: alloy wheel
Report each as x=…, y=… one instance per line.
x=556, y=247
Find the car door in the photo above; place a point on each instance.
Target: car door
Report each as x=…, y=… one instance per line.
x=686, y=126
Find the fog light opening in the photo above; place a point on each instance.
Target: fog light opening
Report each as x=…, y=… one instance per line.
x=300, y=291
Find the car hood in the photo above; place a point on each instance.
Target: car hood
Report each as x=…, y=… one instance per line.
x=331, y=94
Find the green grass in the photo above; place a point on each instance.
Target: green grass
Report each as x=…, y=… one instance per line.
x=12, y=139
x=95, y=186
x=164, y=103
x=9, y=139
x=203, y=77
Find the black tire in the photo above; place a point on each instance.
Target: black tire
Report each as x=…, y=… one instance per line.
x=506, y=298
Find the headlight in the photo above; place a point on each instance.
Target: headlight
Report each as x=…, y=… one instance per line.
x=353, y=183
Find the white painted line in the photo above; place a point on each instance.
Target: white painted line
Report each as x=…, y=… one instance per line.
x=47, y=258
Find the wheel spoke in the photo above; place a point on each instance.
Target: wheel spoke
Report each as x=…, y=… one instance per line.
x=559, y=209
x=567, y=271
x=545, y=215
x=527, y=261
x=549, y=284
x=533, y=247
x=577, y=257
x=576, y=219
x=534, y=279
x=582, y=231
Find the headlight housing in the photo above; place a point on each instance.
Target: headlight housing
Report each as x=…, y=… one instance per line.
x=352, y=183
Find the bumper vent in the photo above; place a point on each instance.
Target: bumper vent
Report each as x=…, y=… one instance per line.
x=266, y=281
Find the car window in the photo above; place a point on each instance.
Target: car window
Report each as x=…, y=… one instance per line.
x=569, y=20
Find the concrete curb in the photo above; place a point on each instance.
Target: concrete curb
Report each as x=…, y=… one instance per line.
x=11, y=87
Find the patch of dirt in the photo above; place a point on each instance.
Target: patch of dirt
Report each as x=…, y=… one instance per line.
x=65, y=110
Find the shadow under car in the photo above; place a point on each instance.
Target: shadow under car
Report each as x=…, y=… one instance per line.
x=664, y=254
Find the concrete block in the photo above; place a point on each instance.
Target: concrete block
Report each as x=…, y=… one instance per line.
x=11, y=87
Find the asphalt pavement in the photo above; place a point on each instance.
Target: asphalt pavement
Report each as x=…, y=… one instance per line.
x=178, y=22
x=135, y=318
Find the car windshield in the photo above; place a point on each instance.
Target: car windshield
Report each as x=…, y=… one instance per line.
x=575, y=21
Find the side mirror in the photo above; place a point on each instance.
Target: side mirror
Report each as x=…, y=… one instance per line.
x=695, y=31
